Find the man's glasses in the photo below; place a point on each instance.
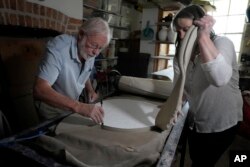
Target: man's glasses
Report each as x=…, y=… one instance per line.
x=90, y=45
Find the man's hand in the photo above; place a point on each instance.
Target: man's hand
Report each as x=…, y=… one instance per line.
x=92, y=96
x=93, y=111
x=96, y=113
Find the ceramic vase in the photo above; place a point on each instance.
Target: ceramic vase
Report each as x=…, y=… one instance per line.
x=163, y=33
x=172, y=35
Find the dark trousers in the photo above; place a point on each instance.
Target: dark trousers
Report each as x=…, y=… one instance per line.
x=205, y=149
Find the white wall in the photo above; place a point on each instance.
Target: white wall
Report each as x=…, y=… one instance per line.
x=136, y=18
x=147, y=46
x=71, y=8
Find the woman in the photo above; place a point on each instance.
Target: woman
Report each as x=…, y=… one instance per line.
x=211, y=88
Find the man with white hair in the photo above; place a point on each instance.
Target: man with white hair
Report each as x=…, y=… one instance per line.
x=65, y=69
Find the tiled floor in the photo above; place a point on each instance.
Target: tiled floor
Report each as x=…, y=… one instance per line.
x=240, y=143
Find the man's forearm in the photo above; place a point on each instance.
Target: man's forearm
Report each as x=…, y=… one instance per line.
x=44, y=92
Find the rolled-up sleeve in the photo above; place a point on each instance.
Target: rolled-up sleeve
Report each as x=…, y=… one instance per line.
x=218, y=72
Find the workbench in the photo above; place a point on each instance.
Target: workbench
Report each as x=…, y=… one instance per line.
x=166, y=159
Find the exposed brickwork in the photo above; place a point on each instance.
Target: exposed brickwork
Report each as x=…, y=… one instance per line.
x=27, y=14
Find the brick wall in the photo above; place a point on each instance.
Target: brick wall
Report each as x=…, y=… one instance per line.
x=27, y=14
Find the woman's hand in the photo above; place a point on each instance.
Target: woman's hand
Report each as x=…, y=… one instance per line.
x=205, y=25
x=208, y=51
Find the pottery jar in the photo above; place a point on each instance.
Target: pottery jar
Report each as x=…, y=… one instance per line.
x=163, y=33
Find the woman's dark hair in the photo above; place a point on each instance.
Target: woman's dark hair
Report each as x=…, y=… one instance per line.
x=193, y=12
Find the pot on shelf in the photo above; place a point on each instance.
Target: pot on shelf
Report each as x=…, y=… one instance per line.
x=163, y=33
x=172, y=35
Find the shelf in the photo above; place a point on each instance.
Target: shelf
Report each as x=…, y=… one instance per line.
x=101, y=10
x=161, y=42
x=163, y=5
x=167, y=24
x=245, y=77
x=113, y=26
x=119, y=27
x=113, y=22
x=162, y=57
x=106, y=59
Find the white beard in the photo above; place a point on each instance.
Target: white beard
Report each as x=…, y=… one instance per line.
x=81, y=52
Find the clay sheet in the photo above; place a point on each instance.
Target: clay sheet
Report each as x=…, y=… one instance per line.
x=129, y=112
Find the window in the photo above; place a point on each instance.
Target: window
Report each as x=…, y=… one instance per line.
x=230, y=18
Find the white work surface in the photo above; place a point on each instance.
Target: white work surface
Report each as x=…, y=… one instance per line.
x=130, y=112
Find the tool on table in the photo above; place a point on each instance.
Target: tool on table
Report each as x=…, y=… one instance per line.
x=101, y=101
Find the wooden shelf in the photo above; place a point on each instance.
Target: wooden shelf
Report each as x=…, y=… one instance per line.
x=101, y=10
x=245, y=77
x=161, y=42
x=167, y=24
x=106, y=59
x=105, y=12
x=162, y=57
x=119, y=27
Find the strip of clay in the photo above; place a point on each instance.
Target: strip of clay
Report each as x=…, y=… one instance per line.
x=173, y=105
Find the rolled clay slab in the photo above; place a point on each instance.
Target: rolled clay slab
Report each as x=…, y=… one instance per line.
x=146, y=86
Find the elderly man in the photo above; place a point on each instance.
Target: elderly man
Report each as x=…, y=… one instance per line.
x=65, y=69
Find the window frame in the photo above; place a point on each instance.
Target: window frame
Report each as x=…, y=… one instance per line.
x=159, y=64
